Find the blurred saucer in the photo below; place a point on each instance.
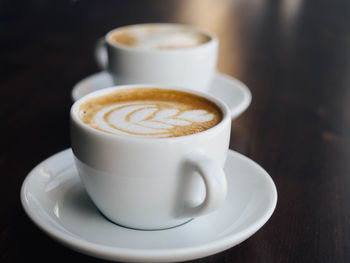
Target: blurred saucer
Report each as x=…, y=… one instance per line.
x=55, y=200
x=233, y=92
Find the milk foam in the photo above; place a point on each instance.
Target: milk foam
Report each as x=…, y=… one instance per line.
x=162, y=37
x=147, y=119
x=150, y=112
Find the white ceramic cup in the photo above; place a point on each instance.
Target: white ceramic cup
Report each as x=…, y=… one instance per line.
x=152, y=183
x=192, y=67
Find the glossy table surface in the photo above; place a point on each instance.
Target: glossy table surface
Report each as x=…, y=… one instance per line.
x=293, y=55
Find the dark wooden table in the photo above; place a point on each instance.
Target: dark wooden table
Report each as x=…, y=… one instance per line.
x=293, y=55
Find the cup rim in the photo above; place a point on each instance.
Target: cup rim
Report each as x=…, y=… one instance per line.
x=213, y=130
x=212, y=36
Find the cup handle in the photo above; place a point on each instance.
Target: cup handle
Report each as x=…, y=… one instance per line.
x=214, y=181
x=101, y=56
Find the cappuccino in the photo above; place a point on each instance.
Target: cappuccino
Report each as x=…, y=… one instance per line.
x=156, y=36
x=124, y=171
x=150, y=112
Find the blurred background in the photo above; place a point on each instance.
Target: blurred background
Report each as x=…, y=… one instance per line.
x=294, y=55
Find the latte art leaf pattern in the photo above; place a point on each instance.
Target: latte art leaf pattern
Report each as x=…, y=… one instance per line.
x=148, y=119
x=150, y=112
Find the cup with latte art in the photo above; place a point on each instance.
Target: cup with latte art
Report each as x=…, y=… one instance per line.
x=162, y=54
x=151, y=157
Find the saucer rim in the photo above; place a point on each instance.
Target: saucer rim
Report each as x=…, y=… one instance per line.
x=247, y=95
x=150, y=255
x=235, y=112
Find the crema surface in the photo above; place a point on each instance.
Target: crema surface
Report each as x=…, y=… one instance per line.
x=150, y=112
x=159, y=37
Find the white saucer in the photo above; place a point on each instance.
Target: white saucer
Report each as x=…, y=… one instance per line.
x=233, y=92
x=55, y=200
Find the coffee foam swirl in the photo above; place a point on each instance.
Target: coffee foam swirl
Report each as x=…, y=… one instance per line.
x=159, y=37
x=169, y=114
